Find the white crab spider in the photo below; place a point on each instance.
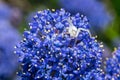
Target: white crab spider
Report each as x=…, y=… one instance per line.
x=74, y=32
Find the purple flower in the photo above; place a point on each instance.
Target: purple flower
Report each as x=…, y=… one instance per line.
x=9, y=13
x=95, y=10
x=58, y=46
x=5, y=11
x=113, y=66
x=8, y=38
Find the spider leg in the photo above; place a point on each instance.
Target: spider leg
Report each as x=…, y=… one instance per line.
x=84, y=30
x=78, y=31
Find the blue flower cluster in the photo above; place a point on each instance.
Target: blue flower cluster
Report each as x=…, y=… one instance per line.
x=59, y=46
x=8, y=38
x=95, y=10
x=113, y=66
x=4, y=10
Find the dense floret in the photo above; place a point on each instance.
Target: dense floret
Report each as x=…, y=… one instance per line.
x=58, y=46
